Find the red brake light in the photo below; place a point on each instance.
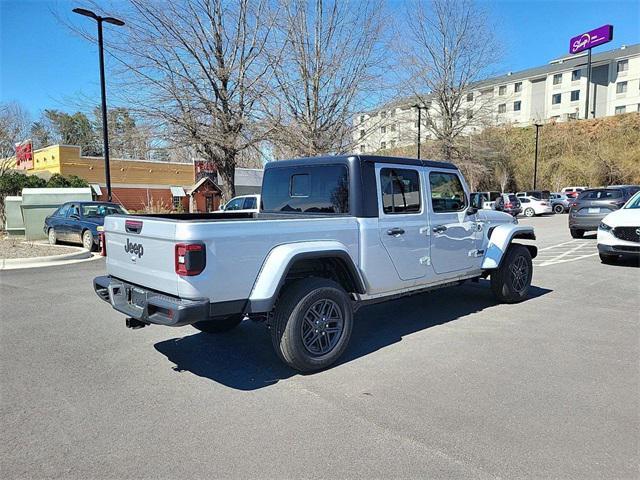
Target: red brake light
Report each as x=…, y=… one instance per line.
x=103, y=244
x=190, y=259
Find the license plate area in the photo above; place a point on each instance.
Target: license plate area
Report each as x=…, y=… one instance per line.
x=594, y=210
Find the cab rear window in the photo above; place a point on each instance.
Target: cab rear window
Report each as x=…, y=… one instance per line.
x=600, y=194
x=306, y=189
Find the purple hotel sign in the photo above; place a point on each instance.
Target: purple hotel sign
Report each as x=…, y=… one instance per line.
x=591, y=39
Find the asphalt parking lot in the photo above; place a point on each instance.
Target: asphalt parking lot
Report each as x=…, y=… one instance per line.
x=445, y=384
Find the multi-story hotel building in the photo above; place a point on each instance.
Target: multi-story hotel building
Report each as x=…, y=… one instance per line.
x=555, y=92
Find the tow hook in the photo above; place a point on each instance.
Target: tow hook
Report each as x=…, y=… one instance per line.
x=134, y=323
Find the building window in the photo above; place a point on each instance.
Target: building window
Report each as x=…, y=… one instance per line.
x=556, y=99
x=621, y=87
x=555, y=118
x=470, y=97
x=392, y=143
x=623, y=66
x=393, y=127
x=639, y=107
x=517, y=87
x=575, y=75
x=575, y=95
x=383, y=129
x=557, y=79
x=502, y=90
x=393, y=112
x=620, y=110
x=361, y=133
x=362, y=148
x=516, y=106
x=361, y=118
x=573, y=116
x=502, y=108
x=383, y=145
x=415, y=124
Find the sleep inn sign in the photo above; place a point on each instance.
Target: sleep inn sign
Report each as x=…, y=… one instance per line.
x=591, y=39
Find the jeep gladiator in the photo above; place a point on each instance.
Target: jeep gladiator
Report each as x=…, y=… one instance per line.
x=332, y=234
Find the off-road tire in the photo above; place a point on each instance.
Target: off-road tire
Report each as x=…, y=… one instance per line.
x=288, y=323
x=220, y=325
x=576, y=233
x=529, y=212
x=52, y=237
x=87, y=240
x=511, y=281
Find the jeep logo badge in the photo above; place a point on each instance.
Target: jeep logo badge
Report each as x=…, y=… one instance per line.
x=134, y=249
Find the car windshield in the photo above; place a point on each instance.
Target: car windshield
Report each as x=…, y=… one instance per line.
x=100, y=210
x=634, y=202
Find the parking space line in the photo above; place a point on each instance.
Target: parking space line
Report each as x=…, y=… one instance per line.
x=569, y=251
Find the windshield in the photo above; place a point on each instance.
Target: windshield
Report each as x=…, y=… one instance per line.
x=634, y=202
x=100, y=210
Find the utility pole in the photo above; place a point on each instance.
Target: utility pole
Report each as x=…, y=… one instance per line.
x=419, y=124
x=535, y=161
x=105, y=130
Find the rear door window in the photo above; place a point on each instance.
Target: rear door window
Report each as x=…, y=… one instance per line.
x=250, y=203
x=306, y=189
x=400, y=190
x=447, y=194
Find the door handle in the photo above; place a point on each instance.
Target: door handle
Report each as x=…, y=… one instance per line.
x=395, y=231
x=439, y=229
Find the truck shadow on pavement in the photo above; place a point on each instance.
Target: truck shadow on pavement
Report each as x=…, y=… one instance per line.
x=244, y=358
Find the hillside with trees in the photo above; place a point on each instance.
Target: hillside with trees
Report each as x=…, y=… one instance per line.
x=596, y=152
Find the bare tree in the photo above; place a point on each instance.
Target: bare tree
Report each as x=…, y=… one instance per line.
x=197, y=69
x=325, y=61
x=448, y=47
x=14, y=128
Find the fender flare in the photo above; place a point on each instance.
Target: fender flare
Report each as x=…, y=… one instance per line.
x=279, y=261
x=501, y=237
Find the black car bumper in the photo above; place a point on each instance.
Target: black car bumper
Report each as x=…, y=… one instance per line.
x=630, y=251
x=149, y=306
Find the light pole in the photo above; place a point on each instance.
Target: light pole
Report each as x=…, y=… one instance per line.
x=105, y=130
x=535, y=161
x=419, y=124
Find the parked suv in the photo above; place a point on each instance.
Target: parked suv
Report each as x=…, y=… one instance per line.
x=573, y=192
x=508, y=203
x=333, y=234
x=560, y=202
x=539, y=194
x=619, y=233
x=592, y=205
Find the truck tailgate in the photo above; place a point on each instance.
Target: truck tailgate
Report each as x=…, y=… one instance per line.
x=142, y=251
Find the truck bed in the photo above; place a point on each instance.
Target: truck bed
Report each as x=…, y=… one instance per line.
x=240, y=216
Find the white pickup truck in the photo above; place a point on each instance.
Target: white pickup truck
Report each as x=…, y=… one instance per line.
x=332, y=234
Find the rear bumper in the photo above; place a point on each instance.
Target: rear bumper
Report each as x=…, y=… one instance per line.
x=585, y=222
x=150, y=306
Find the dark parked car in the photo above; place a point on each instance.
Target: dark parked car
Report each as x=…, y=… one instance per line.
x=508, y=203
x=78, y=222
x=594, y=204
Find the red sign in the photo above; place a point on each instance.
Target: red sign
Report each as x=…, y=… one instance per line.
x=204, y=169
x=24, y=155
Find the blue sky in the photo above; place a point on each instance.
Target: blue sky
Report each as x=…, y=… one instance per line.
x=44, y=65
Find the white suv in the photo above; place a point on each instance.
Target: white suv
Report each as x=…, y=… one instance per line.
x=619, y=232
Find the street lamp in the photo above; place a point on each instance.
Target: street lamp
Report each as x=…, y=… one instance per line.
x=420, y=108
x=535, y=161
x=105, y=132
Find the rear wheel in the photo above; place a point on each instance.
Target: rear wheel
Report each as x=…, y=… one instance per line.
x=312, y=324
x=575, y=233
x=529, y=212
x=219, y=326
x=511, y=281
x=87, y=240
x=53, y=238
x=558, y=208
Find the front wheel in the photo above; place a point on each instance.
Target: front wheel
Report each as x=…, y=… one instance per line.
x=511, y=281
x=558, y=208
x=219, y=326
x=312, y=324
x=529, y=212
x=575, y=233
x=87, y=240
x=53, y=238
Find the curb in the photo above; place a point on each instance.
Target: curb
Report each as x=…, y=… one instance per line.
x=34, y=262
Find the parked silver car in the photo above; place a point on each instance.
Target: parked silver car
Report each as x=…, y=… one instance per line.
x=560, y=202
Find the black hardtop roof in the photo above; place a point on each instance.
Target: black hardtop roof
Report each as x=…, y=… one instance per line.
x=362, y=158
x=91, y=202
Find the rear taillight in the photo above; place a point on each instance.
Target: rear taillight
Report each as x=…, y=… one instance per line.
x=190, y=259
x=103, y=244
x=507, y=205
